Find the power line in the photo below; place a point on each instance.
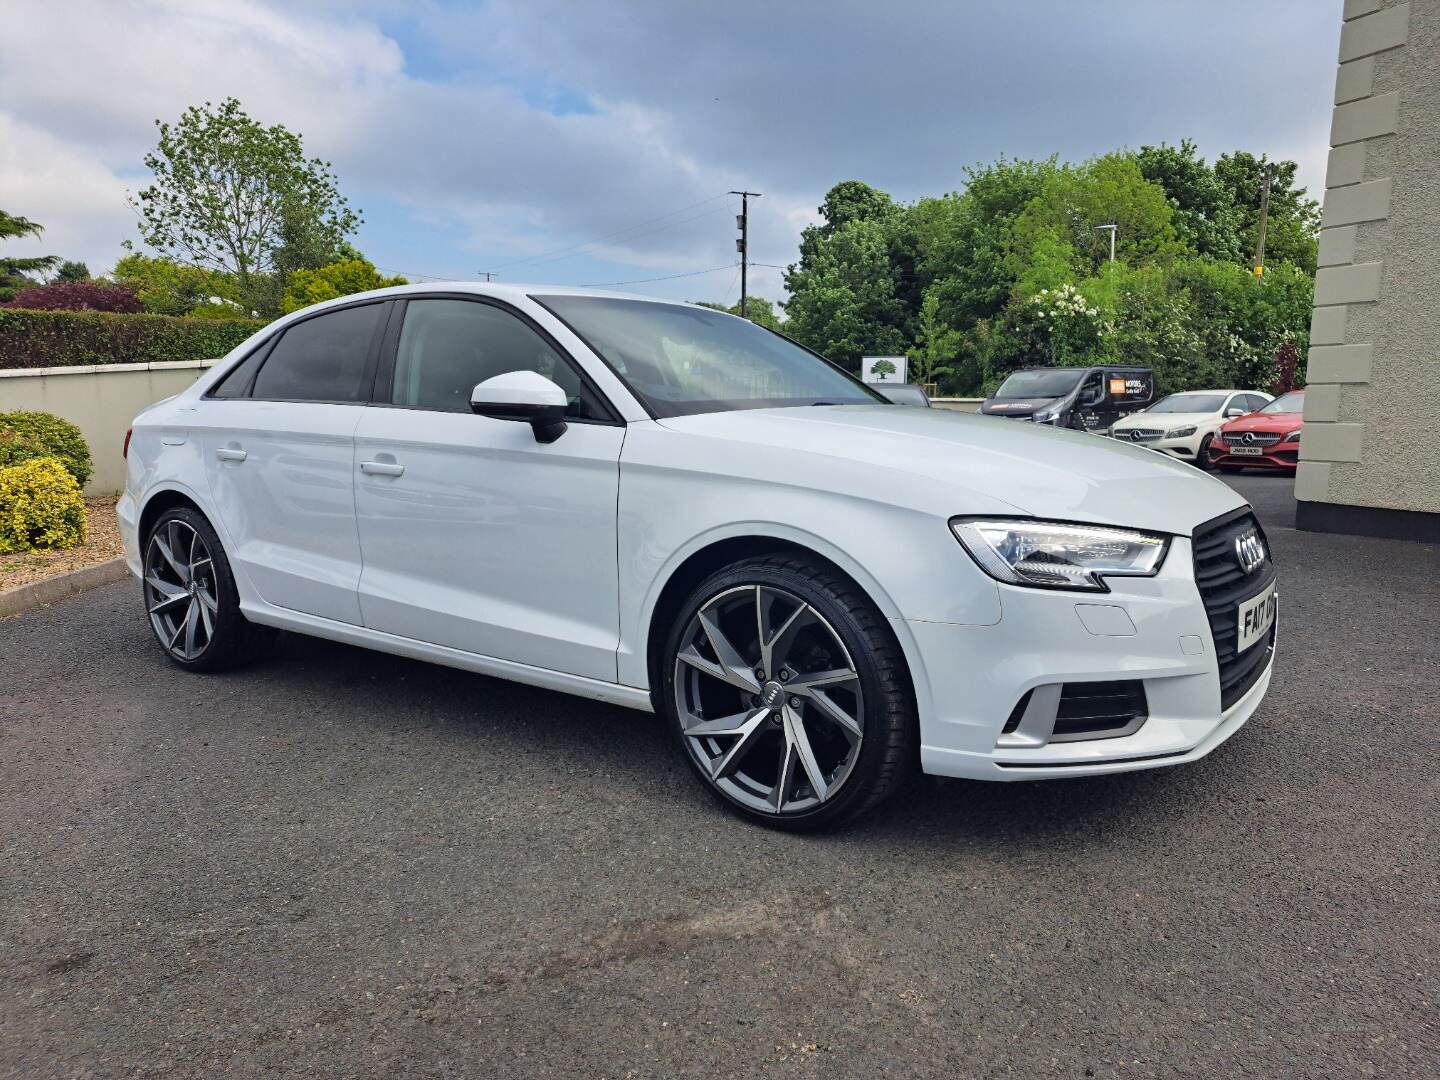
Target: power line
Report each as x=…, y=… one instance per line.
x=667, y=277
x=632, y=237
x=546, y=255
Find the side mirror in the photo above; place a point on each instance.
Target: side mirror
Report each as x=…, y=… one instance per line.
x=526, y=396
x=1234, y=410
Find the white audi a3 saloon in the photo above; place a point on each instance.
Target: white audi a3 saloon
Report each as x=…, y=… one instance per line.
x=672, y=509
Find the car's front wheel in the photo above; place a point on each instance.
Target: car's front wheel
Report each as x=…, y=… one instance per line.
x=190, y=596
x=788, y=693
x=1202, y=456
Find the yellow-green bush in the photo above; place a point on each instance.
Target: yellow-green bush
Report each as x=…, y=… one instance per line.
x=40, y=507
x=26, y=435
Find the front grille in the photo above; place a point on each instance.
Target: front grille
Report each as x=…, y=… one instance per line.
x=1100, y=710
x=1253, y=438
x=1139, y=434
x=1223, y=586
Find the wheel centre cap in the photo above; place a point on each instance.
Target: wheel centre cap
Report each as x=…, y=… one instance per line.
x=771, y=694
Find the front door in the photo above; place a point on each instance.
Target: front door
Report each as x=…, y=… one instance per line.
x=278, y=439
x=474, y=535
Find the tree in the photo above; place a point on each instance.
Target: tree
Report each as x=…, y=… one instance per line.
x=72, y=271
x=342, y=278
x=167, y=287
x=14, y=272
x=758, y=310
x=937, y=348
x=1292, y=229
x=843, y=301
x=1206, y=217
x=882, y=368
x=234, y=196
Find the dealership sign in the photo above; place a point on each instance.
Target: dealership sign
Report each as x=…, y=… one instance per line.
x=883, y=369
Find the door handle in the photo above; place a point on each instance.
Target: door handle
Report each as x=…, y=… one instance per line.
x=226, y=453
x=382, y=468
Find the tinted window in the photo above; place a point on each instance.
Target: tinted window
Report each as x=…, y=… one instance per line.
x=322, y=358
x=237, y=381
x=1252, y=402
x=682, y=360
x=448, y=346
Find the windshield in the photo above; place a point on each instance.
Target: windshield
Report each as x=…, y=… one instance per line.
x=683, y=360
x=1189, y=403
x=1291, y=402
x=1045, y=382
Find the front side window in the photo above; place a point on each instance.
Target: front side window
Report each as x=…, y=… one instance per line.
x=683, y=360
x=322, y=358
x=447, y=347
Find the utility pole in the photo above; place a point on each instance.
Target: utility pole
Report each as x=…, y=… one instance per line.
x=488, y=273
x=1264, y=215
x=742, y=222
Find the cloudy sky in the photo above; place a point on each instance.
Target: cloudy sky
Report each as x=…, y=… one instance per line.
x=584, y=142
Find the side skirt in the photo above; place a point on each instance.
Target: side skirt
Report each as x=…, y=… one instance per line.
x=579, y=685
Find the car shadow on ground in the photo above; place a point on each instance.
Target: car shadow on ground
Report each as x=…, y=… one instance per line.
x=596, y=743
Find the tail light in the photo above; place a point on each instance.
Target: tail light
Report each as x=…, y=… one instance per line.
x=125, y=450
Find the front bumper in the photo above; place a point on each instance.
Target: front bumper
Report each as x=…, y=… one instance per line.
x=975, y=675
x=1186, y=449
x=1285, y=456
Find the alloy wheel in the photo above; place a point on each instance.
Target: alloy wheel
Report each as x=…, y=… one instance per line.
x=769, y=699
x=180, y=592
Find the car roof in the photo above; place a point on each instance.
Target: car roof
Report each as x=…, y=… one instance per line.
x=1177, y=393
x=500, y=291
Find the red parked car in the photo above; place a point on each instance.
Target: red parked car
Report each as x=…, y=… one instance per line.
x=1268, y=439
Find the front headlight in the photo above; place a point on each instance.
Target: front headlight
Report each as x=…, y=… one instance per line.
x=1180, y=432
x=1053, y=555
x=1294, y=436
x=1049, y=416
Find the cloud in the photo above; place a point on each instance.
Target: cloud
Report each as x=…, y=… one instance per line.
x=489, y=134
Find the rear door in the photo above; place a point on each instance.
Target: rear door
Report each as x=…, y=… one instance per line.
x=279, y=447
x=475, y=536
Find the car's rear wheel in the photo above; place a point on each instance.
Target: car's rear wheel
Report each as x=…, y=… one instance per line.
x=788, y=694
x=190, y=596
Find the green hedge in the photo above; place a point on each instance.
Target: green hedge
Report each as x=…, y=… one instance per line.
x=44, y=339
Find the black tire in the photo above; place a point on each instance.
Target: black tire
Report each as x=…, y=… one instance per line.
x=886, y=756
x=232, y=640
x=1203, y=457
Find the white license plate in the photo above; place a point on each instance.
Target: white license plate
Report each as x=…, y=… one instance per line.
x=1248, y=451
x=1255, y=618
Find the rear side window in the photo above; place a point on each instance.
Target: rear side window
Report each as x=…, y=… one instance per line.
x=236, y=382
x=321, y=359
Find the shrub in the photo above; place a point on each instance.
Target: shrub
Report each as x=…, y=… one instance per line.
x=45, y=339
x=40, y=507
x=77, y=296
x=28, y=435
x=342, y=278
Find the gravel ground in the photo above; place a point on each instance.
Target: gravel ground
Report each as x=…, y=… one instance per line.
x=102, y=543
x=347, y=864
